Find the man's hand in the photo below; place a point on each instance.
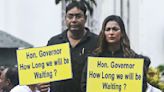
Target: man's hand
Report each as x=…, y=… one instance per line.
x=43, y=87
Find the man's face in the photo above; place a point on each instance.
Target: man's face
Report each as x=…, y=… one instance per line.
x=75, y=19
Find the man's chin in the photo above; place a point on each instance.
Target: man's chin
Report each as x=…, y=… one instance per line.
x=74, y=29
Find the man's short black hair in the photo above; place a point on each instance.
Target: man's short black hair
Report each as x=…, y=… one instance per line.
x=80, y=5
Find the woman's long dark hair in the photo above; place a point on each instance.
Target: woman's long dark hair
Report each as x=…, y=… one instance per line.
x=125, y=43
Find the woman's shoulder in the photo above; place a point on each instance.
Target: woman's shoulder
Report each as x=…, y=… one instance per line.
x=147, y=60
x=142, y=56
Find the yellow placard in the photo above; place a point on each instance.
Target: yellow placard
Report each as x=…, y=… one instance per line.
x=114, y=74
x=44, y=64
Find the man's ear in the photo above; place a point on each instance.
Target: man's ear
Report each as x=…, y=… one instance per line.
x=65, y=16
x=86, y=17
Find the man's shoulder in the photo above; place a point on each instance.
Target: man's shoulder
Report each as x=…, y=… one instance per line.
x=55, y=39
x=93, y=36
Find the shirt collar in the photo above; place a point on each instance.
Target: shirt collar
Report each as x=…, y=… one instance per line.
x=87, y=36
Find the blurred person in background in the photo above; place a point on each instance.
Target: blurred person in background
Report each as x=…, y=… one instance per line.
x=1, y=69
x=9, y=78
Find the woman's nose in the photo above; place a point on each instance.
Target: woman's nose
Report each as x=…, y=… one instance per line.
x=111, y=31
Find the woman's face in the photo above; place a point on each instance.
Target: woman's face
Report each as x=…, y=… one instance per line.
x=112, y=32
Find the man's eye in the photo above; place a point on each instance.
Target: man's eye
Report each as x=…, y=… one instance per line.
x=78, y=16
x=70, y=16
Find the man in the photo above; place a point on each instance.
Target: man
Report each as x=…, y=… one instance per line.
x=9, y=79
x=82, y=42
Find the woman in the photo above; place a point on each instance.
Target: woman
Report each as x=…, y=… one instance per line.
x=114, y=42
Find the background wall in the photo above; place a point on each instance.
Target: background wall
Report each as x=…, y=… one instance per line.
x=33, y=21
x=151, y=30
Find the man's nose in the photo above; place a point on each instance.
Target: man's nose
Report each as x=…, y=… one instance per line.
x=74, y=18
